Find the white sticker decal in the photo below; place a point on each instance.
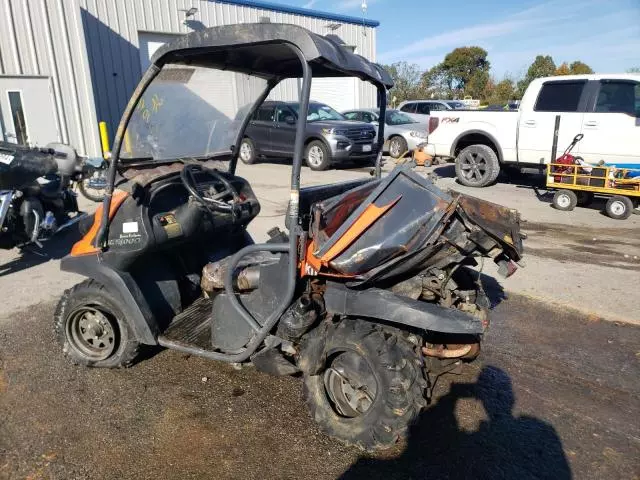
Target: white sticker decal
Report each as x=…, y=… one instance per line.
x=6, y=158
x=130, y=227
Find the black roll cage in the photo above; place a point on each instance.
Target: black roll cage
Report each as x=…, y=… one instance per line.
x=281, y=35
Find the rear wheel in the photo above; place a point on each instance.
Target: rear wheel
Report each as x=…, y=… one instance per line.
x=397, y=147
x=565, y=200
x=247, y=151
x=317, y=155
x=619, y=207
x=92, y=329
x=477, y=166
x=372, y=386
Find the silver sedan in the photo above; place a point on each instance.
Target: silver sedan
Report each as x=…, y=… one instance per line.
x=402, y=134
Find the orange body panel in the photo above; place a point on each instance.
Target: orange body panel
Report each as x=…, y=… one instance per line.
x=364, y=221
x=84, y=246
x=311, y=265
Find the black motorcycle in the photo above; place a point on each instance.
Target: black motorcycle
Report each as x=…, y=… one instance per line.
x=37, y=198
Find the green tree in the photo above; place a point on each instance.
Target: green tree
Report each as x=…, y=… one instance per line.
x=466, y=70
x=406, y=79
x=436, y=84
x=579, y=68
x=501, y=93
x=542, y=66
x=634, y=70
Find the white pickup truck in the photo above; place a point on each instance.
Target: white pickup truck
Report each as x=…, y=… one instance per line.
x=605, y=108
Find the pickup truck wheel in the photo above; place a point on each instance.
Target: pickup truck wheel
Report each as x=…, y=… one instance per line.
x=317, y=155
x=565, y=200
x=477, y=166
x=619, y=207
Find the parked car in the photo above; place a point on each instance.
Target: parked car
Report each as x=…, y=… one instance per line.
x=329, y=139
x=420, y=110
x=455, y=104
x=605, y=108
x=401, y=132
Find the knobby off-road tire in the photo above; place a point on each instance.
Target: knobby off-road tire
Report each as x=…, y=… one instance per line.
x=92, y=329
x=398, y=395
x=477, y=166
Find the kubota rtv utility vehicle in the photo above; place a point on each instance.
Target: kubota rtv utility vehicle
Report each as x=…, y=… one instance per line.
x=364, y=295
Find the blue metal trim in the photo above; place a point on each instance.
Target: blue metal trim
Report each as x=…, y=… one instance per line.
x=302, y=11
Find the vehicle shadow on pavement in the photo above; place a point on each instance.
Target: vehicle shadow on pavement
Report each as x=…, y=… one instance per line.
x=53, y=249
x=504, y=446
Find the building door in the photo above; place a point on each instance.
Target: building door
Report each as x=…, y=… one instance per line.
x=150, y=42
x=339, y=93
x=27, y=114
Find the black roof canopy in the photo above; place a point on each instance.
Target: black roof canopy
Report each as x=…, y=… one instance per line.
x=261, y=49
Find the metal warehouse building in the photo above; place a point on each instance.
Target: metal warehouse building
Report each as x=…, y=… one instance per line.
x=65, y=65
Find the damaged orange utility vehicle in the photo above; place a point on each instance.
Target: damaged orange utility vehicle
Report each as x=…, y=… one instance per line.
x=366, y=295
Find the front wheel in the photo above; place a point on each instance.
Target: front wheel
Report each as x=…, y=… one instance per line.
x=477, y=166
x=317, y=155
x=565, y=200
x=397, y=147
x=248, y=151
x=93, y=187
x=92, y=328
x=372, y=386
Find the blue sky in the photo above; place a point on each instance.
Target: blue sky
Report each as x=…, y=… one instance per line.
x=602, y=33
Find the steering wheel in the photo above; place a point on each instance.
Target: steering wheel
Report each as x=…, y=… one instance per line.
x=214, y=202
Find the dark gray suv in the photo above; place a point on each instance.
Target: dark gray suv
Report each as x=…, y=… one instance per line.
x=330, y=137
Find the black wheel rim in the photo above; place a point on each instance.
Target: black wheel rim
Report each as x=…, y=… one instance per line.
x=350, y=384
x=474, y=166
x=92, y=332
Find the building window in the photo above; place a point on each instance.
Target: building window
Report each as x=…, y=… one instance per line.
x=17, y=114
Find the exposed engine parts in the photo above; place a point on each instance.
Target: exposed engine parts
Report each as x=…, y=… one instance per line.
x=300, y=317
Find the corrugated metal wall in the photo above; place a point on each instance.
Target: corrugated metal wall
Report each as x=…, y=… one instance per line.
x=45, y=38
x=48, y=37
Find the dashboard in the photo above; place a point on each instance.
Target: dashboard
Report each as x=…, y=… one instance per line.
x=162, y=214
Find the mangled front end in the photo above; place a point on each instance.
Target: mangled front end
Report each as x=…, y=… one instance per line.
x=400, y=249
x=404, y=223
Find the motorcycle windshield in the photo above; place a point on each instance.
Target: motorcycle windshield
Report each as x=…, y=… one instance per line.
x=189, y=112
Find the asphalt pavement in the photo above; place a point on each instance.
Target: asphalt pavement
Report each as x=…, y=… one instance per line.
x=553, y=395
